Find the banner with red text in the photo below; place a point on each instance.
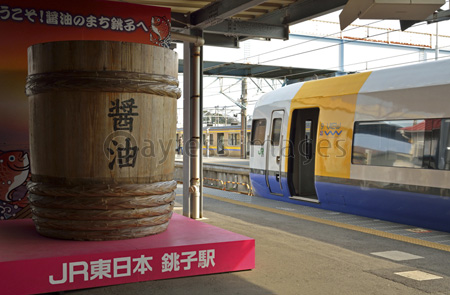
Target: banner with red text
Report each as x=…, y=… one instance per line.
x=27, y=22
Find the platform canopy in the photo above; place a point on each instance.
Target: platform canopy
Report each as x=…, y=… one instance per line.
x=226, y=22
x=232, y=69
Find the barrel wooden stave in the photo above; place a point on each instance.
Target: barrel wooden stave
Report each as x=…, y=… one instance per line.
x=73, y=87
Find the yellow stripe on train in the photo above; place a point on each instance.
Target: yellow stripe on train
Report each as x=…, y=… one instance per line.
x=336, y=99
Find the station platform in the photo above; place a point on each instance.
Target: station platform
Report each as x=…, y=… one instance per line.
x=303, y=250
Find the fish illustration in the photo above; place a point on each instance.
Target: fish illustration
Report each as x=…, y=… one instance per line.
x=14, y=171
x=160, y=30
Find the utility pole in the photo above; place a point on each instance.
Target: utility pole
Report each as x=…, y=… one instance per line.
x=244, y=119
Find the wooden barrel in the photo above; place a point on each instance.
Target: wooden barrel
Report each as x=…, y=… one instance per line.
x=102, y=138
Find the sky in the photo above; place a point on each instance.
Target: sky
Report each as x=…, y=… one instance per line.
x=276, y=52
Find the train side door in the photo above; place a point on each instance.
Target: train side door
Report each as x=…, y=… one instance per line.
x=220, y=146
x=273, y=154
x=302, y=154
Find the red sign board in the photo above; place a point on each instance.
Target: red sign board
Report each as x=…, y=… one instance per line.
x=27, y=22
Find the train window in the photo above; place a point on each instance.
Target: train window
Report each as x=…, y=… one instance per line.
x=443, y=146
x=403, y=143
x=431, y=131
x=276, y=130
x=258, y=132
x=234, y=139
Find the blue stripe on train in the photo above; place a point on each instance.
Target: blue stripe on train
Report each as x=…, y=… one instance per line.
x=428, y=211
x=260, y=188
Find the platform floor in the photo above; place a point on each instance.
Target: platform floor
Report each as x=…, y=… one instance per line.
x=302, y=250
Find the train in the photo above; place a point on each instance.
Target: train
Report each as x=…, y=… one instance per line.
x=375, y=144
x=222, y=141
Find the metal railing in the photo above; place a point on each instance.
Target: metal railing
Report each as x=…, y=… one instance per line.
x=220, y=184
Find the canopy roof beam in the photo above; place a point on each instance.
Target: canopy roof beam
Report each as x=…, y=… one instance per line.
x=218, y=11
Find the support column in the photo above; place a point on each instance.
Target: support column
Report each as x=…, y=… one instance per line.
x=186, y=127
x=192, y=129
x=244, y=119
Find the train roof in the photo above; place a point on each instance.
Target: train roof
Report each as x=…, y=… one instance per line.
x=282, y=94
x=419, y=75
x=423, y=74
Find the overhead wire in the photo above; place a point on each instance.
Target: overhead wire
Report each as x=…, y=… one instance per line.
x=315, y=38
x=287, y=47
x=316, y=49
x=332, y=68
x=345, y=42
x=318, y=38
x=329, y=46
x=373, y=60
x=332, y=34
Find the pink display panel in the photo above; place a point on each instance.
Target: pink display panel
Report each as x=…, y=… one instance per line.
x=30, y=263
